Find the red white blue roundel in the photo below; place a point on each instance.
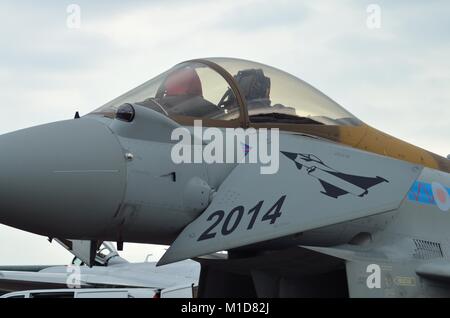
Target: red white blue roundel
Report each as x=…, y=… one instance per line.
x=441, y=196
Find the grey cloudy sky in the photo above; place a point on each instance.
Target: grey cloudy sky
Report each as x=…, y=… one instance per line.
x=396, y=78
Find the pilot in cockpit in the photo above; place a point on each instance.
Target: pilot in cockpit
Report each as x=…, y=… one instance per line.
x=182, y=94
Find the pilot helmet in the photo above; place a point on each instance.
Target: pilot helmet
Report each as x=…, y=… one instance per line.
x=183, y=81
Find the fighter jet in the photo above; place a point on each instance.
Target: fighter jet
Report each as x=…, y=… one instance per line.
x=108, y=270
x=340, y=209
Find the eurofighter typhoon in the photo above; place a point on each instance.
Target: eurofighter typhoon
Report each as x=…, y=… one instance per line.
x=230, y=155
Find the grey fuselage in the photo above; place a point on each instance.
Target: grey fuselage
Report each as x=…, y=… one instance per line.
x=102, y=179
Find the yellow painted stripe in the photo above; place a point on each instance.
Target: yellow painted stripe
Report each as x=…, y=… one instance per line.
x=373, y=140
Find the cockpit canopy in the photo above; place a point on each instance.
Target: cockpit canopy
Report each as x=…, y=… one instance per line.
x=225, y=89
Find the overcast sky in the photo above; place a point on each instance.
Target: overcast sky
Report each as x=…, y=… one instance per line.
x=395, y=78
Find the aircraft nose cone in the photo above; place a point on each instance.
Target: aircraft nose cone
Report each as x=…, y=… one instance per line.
x=53, y=177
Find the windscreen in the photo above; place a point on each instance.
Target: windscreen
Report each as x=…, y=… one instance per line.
x=189, y=89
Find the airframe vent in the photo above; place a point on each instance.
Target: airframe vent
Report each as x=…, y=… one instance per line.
x=427, y=249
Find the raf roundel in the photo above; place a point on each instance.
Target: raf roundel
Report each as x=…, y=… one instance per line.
x=441, y=196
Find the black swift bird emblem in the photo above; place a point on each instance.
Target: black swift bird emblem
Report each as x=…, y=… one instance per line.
x=334, y=183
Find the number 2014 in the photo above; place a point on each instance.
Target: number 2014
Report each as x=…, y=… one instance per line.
x=234, y=218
